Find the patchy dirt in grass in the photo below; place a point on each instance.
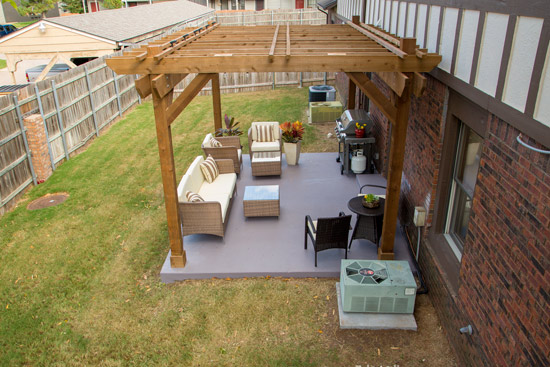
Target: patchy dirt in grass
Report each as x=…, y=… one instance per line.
x=48, y=200
x=324, y=141
x=426, y=347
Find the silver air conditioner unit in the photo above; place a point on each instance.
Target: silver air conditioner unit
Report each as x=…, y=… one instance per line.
x=377, y=286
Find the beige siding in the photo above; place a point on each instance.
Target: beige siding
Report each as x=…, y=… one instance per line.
x=53, y=40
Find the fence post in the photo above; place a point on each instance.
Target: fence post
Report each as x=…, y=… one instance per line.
x=325, y=78
x=243, y=18
x=41, y=109
x=301, y=16
x=60, y=120
x=117, y=95
x=301, y=79
x=24, y=135
x=273, y=77
x=89, y=84
x=139, y=97
x=272, y=17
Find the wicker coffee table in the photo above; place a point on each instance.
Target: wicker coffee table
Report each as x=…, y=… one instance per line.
x=266, y=163
x=261, y=201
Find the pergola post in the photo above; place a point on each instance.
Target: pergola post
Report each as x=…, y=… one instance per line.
x=168, y=170
x=397, y=155
x=216, y=100
x=351, y=95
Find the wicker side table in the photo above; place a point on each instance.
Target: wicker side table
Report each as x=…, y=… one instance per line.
x=261, y=201
x=266, y=163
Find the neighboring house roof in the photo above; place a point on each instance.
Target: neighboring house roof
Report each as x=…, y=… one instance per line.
x=327, y=4
x=124, y=24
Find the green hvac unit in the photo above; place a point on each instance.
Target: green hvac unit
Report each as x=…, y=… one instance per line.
x=324, y=111
x=377, y=286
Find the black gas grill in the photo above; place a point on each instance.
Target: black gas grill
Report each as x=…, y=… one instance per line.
x=348, y=142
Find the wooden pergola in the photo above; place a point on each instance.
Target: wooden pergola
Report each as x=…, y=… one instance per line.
x=353, y=48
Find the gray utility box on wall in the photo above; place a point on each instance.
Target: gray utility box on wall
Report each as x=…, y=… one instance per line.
x=377, y=286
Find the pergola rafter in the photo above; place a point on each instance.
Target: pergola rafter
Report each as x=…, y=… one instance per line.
x=353, y=48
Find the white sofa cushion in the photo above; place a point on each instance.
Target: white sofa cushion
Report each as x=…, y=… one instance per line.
x=223, y=199
x=224, y=184
x=192, y=180
x=274, y=125
x=239, y=154
x=270, y=146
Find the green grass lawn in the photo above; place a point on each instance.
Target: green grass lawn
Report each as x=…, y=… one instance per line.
x=79, y=282
x=2, y=64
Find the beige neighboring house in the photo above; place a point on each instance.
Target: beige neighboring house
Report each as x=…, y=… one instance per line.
x=93, y=35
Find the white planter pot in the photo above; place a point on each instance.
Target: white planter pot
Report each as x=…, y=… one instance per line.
x=292, y=153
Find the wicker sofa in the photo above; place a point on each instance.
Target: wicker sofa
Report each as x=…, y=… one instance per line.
x=209, y=216
x=231, y=149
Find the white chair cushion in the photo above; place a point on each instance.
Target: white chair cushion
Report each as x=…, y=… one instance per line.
x=224, y=184
x=192, y=180
x=239, y=154
x=271, y=146
x=206, y=141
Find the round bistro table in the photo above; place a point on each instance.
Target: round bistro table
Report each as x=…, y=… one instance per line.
x=369, y=221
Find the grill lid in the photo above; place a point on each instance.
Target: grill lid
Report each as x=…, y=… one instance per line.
x=350, y=117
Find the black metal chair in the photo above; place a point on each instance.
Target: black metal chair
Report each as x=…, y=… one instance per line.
x=326, y=233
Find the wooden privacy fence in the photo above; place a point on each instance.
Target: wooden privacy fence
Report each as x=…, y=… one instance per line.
x=270, y=17
x=74, y=106
x=249, y=82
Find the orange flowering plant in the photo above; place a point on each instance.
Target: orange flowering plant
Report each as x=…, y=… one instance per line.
x=292, y=131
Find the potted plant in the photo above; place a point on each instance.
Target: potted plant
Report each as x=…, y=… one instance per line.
x=371, y=201
x=292, y=133
x=359, y=130
x=230, y=128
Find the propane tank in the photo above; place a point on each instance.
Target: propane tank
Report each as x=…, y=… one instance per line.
x=358, y=162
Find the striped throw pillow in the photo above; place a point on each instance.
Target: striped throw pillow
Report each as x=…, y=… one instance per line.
x=209, y=169
x=192, y=197
x=215, y=143
x=264, y=133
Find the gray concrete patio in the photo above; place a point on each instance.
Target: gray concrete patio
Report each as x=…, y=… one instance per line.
x=275, y=246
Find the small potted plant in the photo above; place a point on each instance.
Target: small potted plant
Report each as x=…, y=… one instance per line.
x=371, y=201
x=292, y=135
x=359, y=130
x=231, y=128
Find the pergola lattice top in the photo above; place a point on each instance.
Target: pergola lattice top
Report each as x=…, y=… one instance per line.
x=353, y=48
x=288, y=48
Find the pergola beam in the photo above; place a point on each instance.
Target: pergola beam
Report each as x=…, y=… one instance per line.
x=186, y=96
x=375, y=95
x=229, y=63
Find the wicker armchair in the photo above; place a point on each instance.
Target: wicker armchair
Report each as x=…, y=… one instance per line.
x=327, y=233
x=256, y=146
x=231, y=149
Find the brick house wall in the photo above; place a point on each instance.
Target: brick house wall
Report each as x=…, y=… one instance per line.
x=503, y=288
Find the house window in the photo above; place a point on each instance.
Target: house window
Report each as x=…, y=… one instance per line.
x=464, y=177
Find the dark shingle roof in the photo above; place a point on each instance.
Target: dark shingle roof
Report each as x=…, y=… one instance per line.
x=127, y=23
x=327, y=4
